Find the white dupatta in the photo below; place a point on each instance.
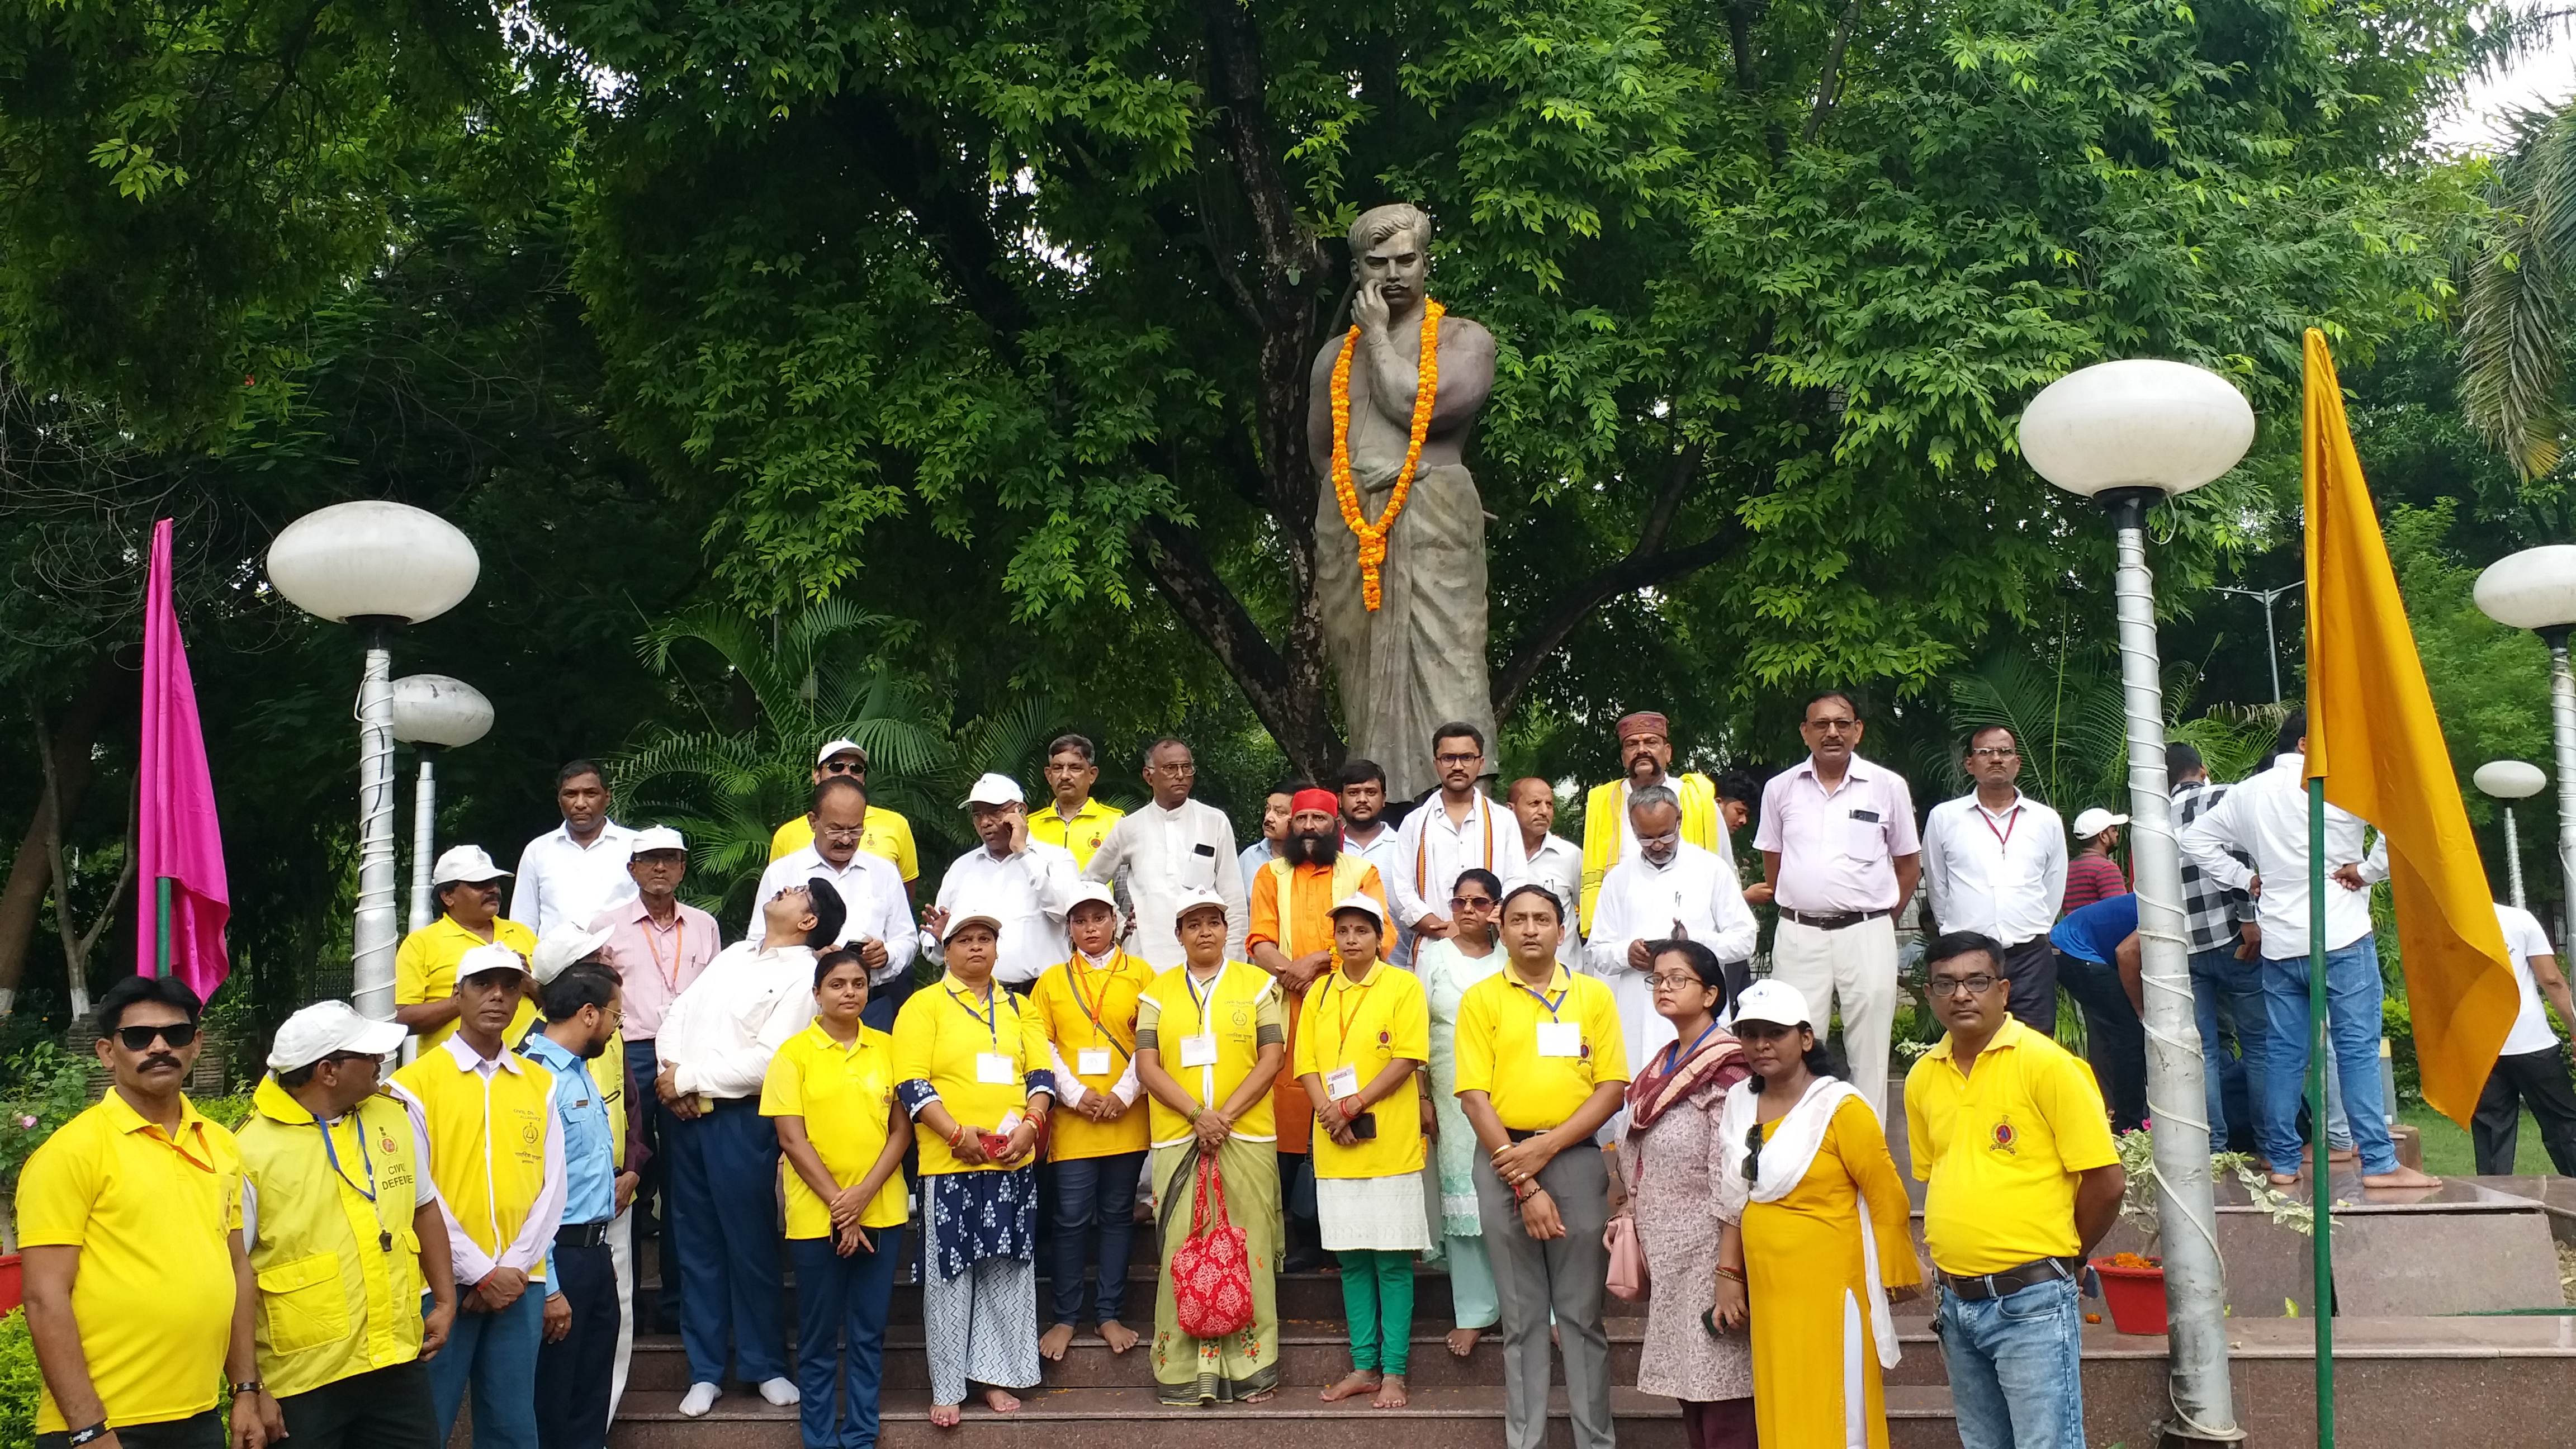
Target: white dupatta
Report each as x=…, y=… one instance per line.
x=1788, y=1149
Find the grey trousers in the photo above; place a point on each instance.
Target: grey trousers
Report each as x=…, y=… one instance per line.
x=1566, y=1276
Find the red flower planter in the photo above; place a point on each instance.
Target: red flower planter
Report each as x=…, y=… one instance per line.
x=13, y=1288
x=2136, y=1296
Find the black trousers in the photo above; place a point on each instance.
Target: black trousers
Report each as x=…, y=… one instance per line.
x=2030, y=970
x=2116, y=1039
x=2537, y=1080
x=386, y=1408
x=573, y=1372
x=197, y=1431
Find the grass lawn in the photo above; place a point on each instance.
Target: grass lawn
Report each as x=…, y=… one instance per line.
x=2446, y=1145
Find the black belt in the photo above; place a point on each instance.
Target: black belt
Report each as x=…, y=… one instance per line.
x=1835, y=920
x=1522, y=1136
x=581, y=1235
x=2012, y=1280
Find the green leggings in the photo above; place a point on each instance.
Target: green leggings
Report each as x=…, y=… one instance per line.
x=1377, y=1297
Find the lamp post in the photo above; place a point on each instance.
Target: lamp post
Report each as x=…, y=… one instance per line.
x=2128, y=435
x=376, y=565
x=2536, y=590
x=431, y=713
x=2271, y=640
x=2511, y=780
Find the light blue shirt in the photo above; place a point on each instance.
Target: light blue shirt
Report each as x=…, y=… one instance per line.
x=1254, y=857
x=590, y=1149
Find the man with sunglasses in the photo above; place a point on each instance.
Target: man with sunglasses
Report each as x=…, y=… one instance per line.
x=1994, y=861
x=882, y=833
x=1457, y=829
x=341, y=1220
x=2008, y=1129
x=139, y=1292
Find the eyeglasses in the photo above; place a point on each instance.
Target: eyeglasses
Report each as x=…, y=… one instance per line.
x=1753, y=1153
x=1460, y=903
x=336, y=1058
x=1174, y=770
x=1994, y=752
x=139, y=1038
x=1963, y=985
x=844, y=767
x=1467, y=759
x=839, y=832
x=1832, y=726
x=1678, y=981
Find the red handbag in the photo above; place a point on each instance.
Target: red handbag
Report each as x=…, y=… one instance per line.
x=1212, y=1268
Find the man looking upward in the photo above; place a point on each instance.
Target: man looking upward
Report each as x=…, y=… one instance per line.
x=1645, y=754
x=876, y=913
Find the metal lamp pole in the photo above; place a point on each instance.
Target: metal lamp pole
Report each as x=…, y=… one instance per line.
x=2271, y=640
x=2536, y=590
x=432, y=713
x=2508, y=781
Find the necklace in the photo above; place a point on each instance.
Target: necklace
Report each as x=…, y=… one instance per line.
x=1373, y=536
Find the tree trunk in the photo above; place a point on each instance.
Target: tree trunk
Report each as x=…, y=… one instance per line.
x=30, y=870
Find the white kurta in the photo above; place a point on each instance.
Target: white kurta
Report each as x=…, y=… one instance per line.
x=1157, y=854
x=1641, y=901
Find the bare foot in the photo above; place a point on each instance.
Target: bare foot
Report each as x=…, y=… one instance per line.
x=1118, y=1335
x=1353, y=1384
x=2404, y=1176
x=2283, y=1179
x=1001, y=1401
x=945, y=1416
x=1390, y=1393
x=1053, y=1342
x=1462, y=1341
x=2343, y=1154
x=1265, y=1396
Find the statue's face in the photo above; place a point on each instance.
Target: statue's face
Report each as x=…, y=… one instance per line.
x=1399, y=266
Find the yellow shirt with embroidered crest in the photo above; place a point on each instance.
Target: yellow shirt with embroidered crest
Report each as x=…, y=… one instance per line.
x=2002, y=1145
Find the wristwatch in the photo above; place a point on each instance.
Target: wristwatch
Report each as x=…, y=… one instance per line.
x=248, y=1386
x=93, y=1433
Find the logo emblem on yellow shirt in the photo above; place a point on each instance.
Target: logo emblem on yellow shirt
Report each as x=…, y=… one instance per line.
x=2004, y=1138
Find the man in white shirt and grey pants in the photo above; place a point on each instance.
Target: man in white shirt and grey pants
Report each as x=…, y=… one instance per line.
x=1842, y=858
x=1994, y=862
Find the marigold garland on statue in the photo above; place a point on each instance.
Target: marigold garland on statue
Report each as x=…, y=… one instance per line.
x=1373, y=536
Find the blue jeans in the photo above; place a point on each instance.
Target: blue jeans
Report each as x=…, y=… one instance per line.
x=2352, y=1029
x=497, y=1354
x=842, y=1301
x=1094, y=1192
x=723, y=1231
x=2016, y=1367
x=2219, y=980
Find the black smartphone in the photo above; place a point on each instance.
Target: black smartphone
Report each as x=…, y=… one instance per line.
x=1364, y=1126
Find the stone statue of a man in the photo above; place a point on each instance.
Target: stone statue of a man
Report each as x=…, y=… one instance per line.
x=1416, y=661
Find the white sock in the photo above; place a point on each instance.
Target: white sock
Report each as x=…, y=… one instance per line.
x=780, y=1391
x=699, y=1399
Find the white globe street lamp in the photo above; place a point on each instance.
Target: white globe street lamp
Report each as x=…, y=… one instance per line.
x=431, y=713
x=2129, y=435
x=2511, y=780
x=378, y=566
x=2536, y=590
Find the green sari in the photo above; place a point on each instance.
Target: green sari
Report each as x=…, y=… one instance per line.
x=1220, y=1370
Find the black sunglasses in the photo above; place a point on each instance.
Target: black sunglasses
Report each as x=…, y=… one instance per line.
x=139, y=1038
x=1753, y=1154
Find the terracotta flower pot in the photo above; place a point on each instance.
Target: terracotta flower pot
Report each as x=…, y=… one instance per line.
x=2136, y=1296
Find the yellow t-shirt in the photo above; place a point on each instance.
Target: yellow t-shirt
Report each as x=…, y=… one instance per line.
x=2002, y=1146
x=1087, y=1010
x=1364, y=1027
x=1240, y=1006
x=425, y=970
x=845, y=1095
x=1081, y=835
x=153, y=1219
x=1498, y=1055
x=881, y=832
x=942, y=1036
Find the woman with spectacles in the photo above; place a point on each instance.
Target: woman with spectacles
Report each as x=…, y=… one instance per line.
x=1447, y=967
x=1668, y=1160
x=1819, y=1248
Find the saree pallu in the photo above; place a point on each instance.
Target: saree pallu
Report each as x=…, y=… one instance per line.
x=1219, y=1370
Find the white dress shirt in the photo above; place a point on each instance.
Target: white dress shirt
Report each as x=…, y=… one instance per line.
x=1431, y=850
x=2524, y=939
x=1157, y=854
x=536, y=1236
x=1558, y=865
x=1380, y=851
x=1999, y=872
x=1027, y=892
x=721, y=1033
x=562, y=880
x=871, y=890
x=1640, y=901
x=2266, y=817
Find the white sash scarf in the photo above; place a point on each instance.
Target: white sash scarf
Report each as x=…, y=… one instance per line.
x=1788, y=1149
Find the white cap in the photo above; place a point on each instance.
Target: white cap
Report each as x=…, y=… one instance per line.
x=1193, y=898
x=331, y=1026
x=561, y=945
x=465, y=863
x=2096, y=820
x=1773, y=1001
x=493, y=957
x=656, y=837
x=1361, y=901
x=966, y=916
x=1091, y=890
x=993, y=789
x=842, y=747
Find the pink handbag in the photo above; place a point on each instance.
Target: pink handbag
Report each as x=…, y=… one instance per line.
x=1627, y=1258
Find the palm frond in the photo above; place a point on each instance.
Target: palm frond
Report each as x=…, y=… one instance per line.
x=2513, y=309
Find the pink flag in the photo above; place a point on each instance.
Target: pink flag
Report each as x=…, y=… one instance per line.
x=180, y=864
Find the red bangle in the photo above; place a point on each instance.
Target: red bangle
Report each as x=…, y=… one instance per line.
x=957, y=1136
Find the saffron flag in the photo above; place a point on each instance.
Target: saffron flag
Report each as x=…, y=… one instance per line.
x=176, y=838
x=2373, y=738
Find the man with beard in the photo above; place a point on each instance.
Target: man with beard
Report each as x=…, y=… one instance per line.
x=1645, y=753
x=1292, y=939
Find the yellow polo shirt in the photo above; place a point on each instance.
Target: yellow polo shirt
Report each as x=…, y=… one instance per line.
x=153, y=1218
x=845, y=1097
x=1498, y=1021
x=2002, y=1145
x=1093, y=1010
x=1240, y=1007
x=425, y=970
x=881, y=832
x=1082, y=834
x=940, y=1035
x=1364, y=1027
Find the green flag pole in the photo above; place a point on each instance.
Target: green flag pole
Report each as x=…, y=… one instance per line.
x=2321, y=1304
x=161, y=923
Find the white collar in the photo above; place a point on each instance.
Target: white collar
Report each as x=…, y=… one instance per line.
x=473, y=1061
x=2018, y=800
x=609, y=830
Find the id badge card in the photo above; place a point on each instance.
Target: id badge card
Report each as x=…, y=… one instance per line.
x=1091, y=1061
x=1199, y=1051
x=1342, y=1083
x=994, y=1069
x=1560, y=1038
x=1009, y=1124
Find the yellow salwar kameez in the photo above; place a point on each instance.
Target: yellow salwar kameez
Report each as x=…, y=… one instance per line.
x=1815, y=1367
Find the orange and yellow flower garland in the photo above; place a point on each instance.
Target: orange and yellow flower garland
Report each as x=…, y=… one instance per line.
x=1373, y=536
